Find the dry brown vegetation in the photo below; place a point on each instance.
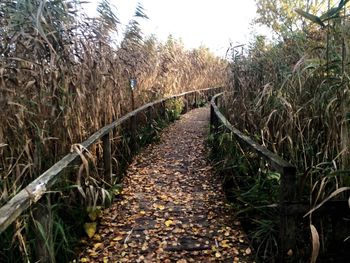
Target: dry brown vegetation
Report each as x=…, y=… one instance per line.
x=295, y=101
x=63, y=76
x=293, y=97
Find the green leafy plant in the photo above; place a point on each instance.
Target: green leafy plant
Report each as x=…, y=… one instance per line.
x=174, y=109
x=253, y=191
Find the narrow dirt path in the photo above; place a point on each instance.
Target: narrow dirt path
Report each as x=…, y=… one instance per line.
x=173, y=209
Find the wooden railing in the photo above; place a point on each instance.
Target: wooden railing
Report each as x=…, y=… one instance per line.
x=287, y=230
x=37, y=189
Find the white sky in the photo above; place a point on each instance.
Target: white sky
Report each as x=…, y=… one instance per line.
x=212, y=23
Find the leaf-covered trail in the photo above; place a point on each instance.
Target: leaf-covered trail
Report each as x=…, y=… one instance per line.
x=172, y=207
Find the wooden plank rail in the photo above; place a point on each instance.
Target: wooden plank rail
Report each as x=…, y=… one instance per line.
x=287, y=231
x=37, y=188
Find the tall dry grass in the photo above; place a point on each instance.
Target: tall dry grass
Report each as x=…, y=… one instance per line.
x=63, y=76
x=293, y=97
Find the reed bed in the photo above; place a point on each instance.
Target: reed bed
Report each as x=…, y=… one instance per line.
x=293, y=97
x=63, y=76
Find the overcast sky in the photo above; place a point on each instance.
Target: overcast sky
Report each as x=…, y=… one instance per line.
x=212, y=23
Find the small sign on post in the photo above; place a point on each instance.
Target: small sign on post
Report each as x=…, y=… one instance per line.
x=133, y=145
x=133, y=84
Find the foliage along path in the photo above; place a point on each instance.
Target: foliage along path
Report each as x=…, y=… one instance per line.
x=172, y=208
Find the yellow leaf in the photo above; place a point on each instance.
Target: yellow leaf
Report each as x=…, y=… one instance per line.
x=105, y=260
x=84, y=260
x=94, y=212
x=118, y=238
x=97, y=237
x=98, y=245
x=117, y=191
x=224, y=243
x=169, y=223
x=163, y=197
x=90, y=229
x=217, y=254
x=93, y=254
x=112, y=243
x=142, y=212
x=160, y=207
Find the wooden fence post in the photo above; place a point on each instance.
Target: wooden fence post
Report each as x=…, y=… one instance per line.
x=149, y=115
x=42, y=221
x=133, y=139
x=107, y=158
x=288, y=226
x=133, y=142
x=209, y=95
x=162, y=110
x=214, y=122
x=212, y=113
x=186, y=103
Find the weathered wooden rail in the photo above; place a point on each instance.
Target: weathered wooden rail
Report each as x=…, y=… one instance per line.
x=37, y=189
x=287, y=230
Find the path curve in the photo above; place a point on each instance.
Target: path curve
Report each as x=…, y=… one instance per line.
x=172, y=208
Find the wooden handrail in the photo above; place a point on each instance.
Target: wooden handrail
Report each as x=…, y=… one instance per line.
x=37, y=188
x=287, y=180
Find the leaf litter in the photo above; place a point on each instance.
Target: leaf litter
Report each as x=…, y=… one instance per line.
x=172, y=209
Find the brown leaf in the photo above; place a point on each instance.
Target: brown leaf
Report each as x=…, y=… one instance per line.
x=315, y=243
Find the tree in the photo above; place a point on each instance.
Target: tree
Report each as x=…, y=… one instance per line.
x=280, y=15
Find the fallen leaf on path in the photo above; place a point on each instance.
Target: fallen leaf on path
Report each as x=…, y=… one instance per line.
x=160, y=207
x=169, y=223
x=98, y=246
x=174, y=206
x=90, y=229
x=224, y=243
x=118, y=238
